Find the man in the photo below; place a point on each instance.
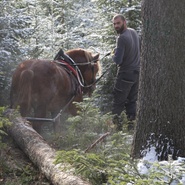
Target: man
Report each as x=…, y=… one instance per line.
x=127, y=57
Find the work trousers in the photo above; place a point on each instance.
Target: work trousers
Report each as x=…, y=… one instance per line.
x=125, y=93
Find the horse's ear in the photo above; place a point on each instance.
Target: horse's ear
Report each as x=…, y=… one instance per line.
x=96, y=57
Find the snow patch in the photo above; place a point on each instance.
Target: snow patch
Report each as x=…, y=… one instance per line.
x=171, y=171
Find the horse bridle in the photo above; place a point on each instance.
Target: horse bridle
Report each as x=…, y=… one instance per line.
x=92, y=68
x=79, y=74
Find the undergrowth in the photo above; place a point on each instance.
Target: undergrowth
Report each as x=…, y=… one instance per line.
x=94, y=147
x=107, y=160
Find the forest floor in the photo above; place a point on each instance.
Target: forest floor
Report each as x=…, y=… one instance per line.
x=16, y=168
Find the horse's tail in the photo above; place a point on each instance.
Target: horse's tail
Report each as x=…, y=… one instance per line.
x=25, y=89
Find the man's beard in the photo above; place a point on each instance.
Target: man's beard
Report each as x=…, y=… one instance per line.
x=121, y=29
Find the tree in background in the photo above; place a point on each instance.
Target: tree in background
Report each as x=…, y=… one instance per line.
x=14, y=27
x=161, y=113
x=38, y=29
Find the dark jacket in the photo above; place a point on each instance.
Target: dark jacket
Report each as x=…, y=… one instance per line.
x=127, y=52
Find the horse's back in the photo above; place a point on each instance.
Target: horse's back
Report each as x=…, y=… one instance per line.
x=42, y=84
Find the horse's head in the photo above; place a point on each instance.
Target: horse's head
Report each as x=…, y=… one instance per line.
x=89, y=66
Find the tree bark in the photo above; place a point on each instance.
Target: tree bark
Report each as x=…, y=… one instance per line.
x=161, y=101
x=40, y=153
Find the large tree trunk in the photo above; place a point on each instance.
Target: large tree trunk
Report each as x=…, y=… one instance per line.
x=161, y=102
x=40, y=153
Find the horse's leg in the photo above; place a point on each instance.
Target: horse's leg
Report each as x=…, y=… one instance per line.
x=23, y=109
x=72, y=109
x=39, y=112
x=56, y=115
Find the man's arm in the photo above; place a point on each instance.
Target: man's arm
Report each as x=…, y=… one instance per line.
x=119, y=51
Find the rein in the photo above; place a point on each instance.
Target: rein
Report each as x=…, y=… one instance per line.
x=97, y=80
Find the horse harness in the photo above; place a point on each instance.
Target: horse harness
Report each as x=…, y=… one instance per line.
x=72, y=69
x=77, y=90
x=72, y=72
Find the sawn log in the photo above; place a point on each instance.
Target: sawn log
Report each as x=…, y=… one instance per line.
x=40, y=153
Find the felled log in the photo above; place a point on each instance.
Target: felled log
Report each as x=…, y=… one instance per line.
x=39, y=152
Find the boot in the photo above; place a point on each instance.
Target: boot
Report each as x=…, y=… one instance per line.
x=130, y=123
x=117, y=121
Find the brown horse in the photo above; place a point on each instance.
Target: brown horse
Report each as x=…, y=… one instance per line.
x=42, y=86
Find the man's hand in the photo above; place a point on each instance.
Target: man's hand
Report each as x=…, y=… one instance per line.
x=113, y=51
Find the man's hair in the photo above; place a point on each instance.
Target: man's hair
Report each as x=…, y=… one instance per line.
x=119, y=16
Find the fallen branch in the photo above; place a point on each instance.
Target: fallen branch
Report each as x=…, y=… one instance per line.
x=97, y=141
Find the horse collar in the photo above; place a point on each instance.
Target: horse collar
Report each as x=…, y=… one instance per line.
x=69, y=67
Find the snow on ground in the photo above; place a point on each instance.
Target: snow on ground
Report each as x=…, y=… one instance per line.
x=169, y=172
